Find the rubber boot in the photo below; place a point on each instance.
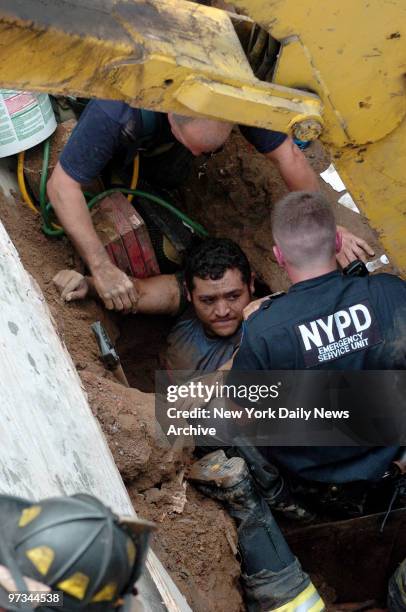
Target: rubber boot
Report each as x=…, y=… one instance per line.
x=272, y=576
x=271, y=484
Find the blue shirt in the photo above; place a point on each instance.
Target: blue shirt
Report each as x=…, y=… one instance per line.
x=106, y=127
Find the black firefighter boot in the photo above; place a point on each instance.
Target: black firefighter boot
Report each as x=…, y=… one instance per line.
x=270, y=483
x=272, y=576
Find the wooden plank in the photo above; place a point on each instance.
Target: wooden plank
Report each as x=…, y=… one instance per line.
x=50, y=442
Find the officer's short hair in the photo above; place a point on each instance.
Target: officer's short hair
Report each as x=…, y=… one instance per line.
x=304, y=227
x=212, y=258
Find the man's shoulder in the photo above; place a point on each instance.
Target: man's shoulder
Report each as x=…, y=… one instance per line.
x=390, y=281
x=95, y=138
x=115, y=110
x=270, y=310
x=186, y=315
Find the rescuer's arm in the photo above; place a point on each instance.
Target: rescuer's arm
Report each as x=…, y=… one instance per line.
x=293, y=167
x=112, y=285
x=299, y=176
x=155, y=295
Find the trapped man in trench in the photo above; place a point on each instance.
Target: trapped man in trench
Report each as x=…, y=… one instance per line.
x=207, y=299
x=167, y=144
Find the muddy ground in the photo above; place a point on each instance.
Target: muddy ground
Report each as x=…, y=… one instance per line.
x=231, y=195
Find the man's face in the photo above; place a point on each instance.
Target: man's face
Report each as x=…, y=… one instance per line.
x=219, y=303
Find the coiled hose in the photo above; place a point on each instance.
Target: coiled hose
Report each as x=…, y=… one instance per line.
x=52, y=229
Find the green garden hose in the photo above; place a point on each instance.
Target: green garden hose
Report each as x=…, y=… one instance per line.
x=50, y=229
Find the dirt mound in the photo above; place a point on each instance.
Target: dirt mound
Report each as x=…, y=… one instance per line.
x=127, y=419
x=198, y=545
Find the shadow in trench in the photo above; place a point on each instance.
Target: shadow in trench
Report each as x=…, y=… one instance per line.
x=142, y=340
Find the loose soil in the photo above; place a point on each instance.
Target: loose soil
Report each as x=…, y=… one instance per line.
x=232, y=195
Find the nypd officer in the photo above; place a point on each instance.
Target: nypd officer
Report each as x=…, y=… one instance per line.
x=329, y=321
x=296, y=331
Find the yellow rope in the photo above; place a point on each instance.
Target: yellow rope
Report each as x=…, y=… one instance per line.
x=21, y=183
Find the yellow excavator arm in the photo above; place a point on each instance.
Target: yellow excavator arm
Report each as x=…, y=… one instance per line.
x=339, y=75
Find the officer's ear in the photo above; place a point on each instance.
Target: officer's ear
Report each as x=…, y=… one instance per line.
x=278, y=255
x=339, y=241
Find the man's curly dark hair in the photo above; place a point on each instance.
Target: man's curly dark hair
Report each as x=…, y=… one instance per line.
x=213, y=257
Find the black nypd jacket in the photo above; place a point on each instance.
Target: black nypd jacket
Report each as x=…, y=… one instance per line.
x=330, y=322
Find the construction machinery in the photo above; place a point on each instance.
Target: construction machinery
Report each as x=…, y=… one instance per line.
x=338, y=73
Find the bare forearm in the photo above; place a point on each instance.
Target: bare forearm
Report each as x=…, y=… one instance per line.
x=294, y=168
x=71, y=210
x=156, y=295
x=300, y=176
x=111, y=284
